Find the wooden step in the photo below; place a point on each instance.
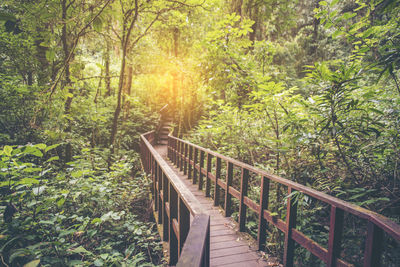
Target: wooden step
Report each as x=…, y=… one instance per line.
x=163, y=142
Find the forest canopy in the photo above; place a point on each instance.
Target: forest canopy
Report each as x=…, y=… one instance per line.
x=305, y=89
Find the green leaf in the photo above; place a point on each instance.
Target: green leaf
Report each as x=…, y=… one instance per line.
x=60, y=202
x=50, y=55
x=348, y=15
x=46, y=222
x=53, y=158
x=97, y=24
x=98, y=262
x=38, y=190
x=33, y=263
x=7, y=150
x=323, y=3
x=19, y=253
x=51, y=147
x=40, y=146
x=81, y=250
x=31, y=150
x=96, y=220
x=28, y=181
x=334, y=2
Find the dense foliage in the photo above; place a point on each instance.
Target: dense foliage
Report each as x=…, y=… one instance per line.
x=308, y=90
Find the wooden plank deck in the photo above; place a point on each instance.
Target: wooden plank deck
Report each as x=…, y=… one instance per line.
x=227, y=246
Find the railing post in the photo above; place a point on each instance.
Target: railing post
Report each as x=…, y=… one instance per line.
x=208, y=182
x=182, y=155
x=291, y=215
x=190, y=162
x=178, y=156
x=165, y=217
x=173, y=214
x=174, y=151
x=335, y=235
x=228, y=197
x=184, y=223
x=155, y=182
x=160, y=187
x=195, y=158
x=185, y=166
x=201, y=170
x=243, y=193
x=262, y=223
x=373, y=245
x=217, y=176
x=168, y=147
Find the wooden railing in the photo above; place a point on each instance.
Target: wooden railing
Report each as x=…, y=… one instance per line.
x=191, y=158
x=184, y=224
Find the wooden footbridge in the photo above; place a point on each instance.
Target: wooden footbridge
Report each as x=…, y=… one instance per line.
x=194, y=200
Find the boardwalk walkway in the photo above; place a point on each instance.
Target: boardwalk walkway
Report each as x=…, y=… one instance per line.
x=199, y=235
x=227, y=246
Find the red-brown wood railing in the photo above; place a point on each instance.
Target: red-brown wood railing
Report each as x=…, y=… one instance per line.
x=184, y=223
x=191, y=158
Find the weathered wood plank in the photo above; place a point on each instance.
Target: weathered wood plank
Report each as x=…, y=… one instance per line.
x=217, y=253
x=243, y=257
x=226, y=244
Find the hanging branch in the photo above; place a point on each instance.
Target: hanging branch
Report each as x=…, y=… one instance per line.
x=80, y=34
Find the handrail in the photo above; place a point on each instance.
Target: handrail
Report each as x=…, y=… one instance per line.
x=164, y=107
x=176, y=206
x=190, y=158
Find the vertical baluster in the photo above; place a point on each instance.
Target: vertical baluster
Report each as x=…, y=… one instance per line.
x=178, y=157
x=160, y=187
x=145, y=160
x=243, y=192
x=196, y=152
x=148, y=162
x=168, y=147
x=185, y=166
x=228, y=197
x=291, y=214
x=174, y=151
x=335, y=236
x=184, y=223
x=182, y=156
x=190, y=162
x=217, y=176
x=155, y=185
x=165, y=218
x=173, y=214
x=262, y=223
x=208, y=182
x=201, y=170
x=373, y=246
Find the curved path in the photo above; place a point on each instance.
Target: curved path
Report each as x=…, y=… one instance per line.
x=227, y=246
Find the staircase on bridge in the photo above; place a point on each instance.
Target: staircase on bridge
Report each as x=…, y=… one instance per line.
x=200, y=234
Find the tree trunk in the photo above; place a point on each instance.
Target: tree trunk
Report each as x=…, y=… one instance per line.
x=114, y=127
x=128, y=87
x=67, y=83
x=236, y=6
x=107, y=78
